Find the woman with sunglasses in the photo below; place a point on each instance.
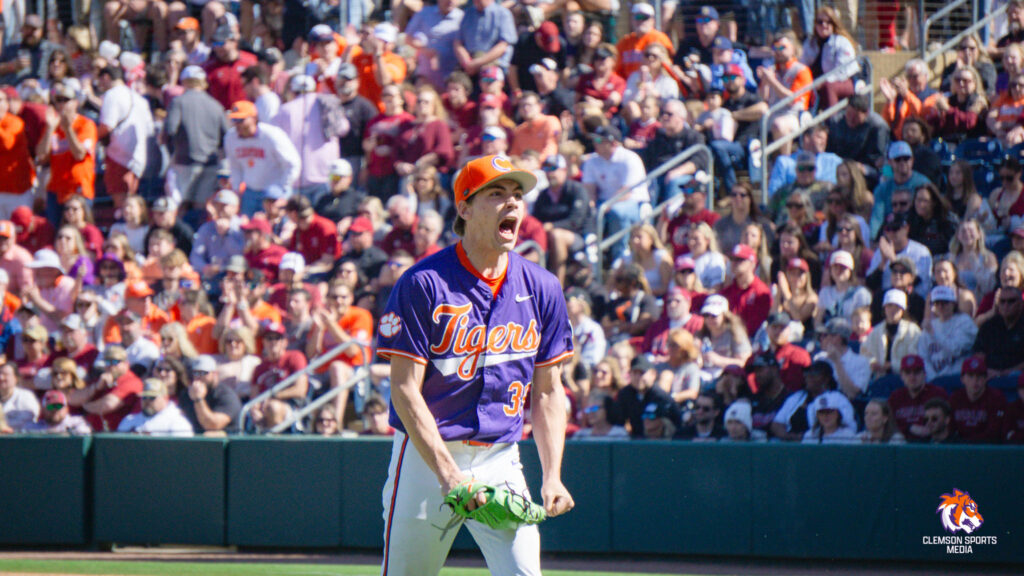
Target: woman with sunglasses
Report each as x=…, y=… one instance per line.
x=930, y=223
x=1002, y=119
x=801, y=214
x=174, y=375
x=971, y=53
x=237, y=360
x=325, y=423
x=651, y=79
x=837, y=207
x=830, y=50
x=1007, y=201
x=595, y=419
x=965, y=202
x=960, y=113
x=73, y=256
x=743, y=209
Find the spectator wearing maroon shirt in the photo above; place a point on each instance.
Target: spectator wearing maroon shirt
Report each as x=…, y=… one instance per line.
x=792, y=358
x=978, y=409
x=749, y=297
x=225, y=66
x=603, y=86
x=403, y=220
x=260, y=252
x=677, y=314
x=908, y=403
x=33, y=232
x=75, y=338
x=315, y=237
x=1013, y=421
x=533, y=229
x=112, y=396
x=938, y=419
x=462, y=111
x=291, y=273
x=280, y=363
x=693, y=211
x=428, y=232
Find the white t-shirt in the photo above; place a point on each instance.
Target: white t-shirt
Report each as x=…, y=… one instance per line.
x=624, y=168
x=616, y=433
x=21, y=409
x=921, y=257
x=842, y=305
x=167, y=422
x=127, y=113
x=857, y=367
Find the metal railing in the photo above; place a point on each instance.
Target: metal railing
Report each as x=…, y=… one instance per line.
x=533, y=245
x=930, y=57
x=948, y=9
x=784, y=104
x=317, y=362
x=359, y=377
x=605, y=207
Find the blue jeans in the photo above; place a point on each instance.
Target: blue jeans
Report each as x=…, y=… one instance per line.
x=728, y=155
x=252, y=201
x=622, y=216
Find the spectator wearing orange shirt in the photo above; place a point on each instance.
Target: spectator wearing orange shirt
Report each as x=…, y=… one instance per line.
x=787, y=77
x=378, y=65
x=909, y=95
x=69, y=141
x=198, y=325
x=138, y=300
x=17, y=174
x=537, y=131
x=338, y=322
x=631, y=46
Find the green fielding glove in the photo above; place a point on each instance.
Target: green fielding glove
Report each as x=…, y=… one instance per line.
x=504, y=510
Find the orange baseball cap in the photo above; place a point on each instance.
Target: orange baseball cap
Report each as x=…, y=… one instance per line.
x=138, y=289
x=7, y=229
x=243, y=109
x=187, y=23
x=487, y=170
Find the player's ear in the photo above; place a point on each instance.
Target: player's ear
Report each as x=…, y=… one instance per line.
x=462, y=209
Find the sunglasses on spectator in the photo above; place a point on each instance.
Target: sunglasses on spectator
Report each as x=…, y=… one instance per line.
x=326, y=421
x=703, y=408
x=592, y=409
x=651, y=55
x=199, y=373
x=805, y=168
x=845, y=229
x=900, y=271
x=914, y=371
x=903, y=159
x=704, y=20
x=55, y=407
x=794, y=205
x=779, y=47
x=1009, y=301
x=1007, y=177
x=964, y=79
x=650, y=416
x=60, y=99
x=823, y=21
x=835, y=200
x=967, y=47
x=933, y=419
x=729, y=77
x=164, y=368
x=905, y=204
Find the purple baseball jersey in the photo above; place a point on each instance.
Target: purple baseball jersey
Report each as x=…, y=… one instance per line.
x=480, y=350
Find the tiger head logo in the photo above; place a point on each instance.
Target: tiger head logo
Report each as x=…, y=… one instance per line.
x=959, y=512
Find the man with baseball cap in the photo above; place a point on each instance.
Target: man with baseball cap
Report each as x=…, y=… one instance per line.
x=208, y=406
x=360, y=249
x=261, y=253
x=677, y=315
x=749, y=297
x=894, y=243
x=467, y=287
x=904, y=177
x=631, y=46
x=611, y=169
x=708, y=26
x=563, y=207
x=378, y=66
x=313, y=125
x=163, y=215
x=978, y=408
x=220, y=237
x=315, y=237
x=31, y=232
x=532, y=48
x=108, y=399
x=892, y=339
x=343, y=199
x=224, y=68
x=1001, y=338
x=259, y=154
x=186, y=30
x=908, y=401
x=195, y=128
x=792, y=359
x=52, y=293
x=852, y=371
x=55, y=417
x=903, y=277
x=555, y=99
x=69, y=141
x=157, y=416
x=948, y=337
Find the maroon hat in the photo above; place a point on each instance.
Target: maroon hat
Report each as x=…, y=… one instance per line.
x=974, y=365
x=798, y=263
x=734, y=70
x=22, y=218
x=11, y=91
x=361, y=224
x=547, y=37
x=258, y=224
x=745, y=252
x=677, y=291
x=54, y=397
x=911, y=362
x=272, y=328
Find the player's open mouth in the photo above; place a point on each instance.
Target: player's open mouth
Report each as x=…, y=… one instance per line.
x=508, y=227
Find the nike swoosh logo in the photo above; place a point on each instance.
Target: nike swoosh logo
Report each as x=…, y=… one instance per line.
x=521, y=298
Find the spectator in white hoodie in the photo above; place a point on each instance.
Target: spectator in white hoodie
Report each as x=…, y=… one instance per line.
x=259, y=155
x=948, y=335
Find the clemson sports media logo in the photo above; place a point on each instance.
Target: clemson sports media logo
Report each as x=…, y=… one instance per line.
x=959, y=511
x=502, y=164
x=390, y=325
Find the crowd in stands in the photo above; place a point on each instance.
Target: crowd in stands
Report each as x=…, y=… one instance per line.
x=215, y=195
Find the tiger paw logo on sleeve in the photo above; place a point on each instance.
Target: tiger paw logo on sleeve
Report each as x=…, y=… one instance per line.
x=959, y=512
x=390, y=325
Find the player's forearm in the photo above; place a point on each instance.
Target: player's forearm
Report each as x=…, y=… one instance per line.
x=549, y=421
x=419, y=423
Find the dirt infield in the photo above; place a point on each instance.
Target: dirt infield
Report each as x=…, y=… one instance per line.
x=584, y=564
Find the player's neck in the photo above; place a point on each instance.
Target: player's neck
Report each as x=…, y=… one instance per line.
x=487, y=262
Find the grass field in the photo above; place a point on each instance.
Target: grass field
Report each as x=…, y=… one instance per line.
x=133, y=568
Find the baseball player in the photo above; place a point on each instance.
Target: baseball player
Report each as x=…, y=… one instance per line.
x=471, y=332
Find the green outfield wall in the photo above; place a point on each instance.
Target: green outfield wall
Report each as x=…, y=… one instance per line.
x=786, y=501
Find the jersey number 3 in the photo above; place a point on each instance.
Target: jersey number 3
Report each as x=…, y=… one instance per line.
x=517, y=392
